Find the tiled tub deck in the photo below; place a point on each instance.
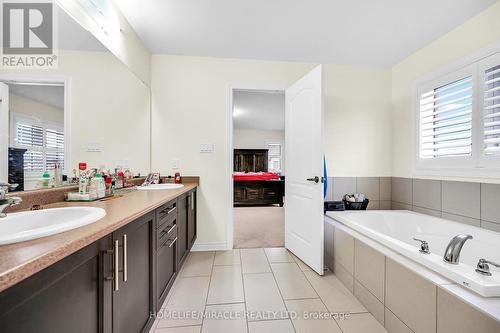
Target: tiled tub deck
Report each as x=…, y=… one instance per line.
x=403, y=295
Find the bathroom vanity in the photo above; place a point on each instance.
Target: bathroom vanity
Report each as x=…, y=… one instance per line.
x=110, y=276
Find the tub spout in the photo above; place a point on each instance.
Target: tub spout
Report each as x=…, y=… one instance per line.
x=452, y=252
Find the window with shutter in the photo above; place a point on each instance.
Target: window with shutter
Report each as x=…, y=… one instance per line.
x=44, y=142
x=491, y=111
x=446, y=120
x=274, y=157
x=457, y=118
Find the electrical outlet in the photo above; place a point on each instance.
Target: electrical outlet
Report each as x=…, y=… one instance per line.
x=175, y=163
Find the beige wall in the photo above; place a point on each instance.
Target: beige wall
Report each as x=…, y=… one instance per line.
x=26, y=106
x=108, y=105
x=466, y=39
x=190, y=107
x=245, y=138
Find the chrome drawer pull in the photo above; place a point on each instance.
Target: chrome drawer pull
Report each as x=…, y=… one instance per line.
x=125, y=260
x=115, y=270
x=171, y=210
x=172, y=243
x=172, y=228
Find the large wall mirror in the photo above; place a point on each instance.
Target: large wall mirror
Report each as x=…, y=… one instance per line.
x=90, y=109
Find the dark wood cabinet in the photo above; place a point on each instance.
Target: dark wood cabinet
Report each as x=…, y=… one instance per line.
x=132, y=295
x=250, y=160
x=258, y=192
x=114, y=285
x=69, y=296
x=191, y=218
x=182, y=245
x=166, y=252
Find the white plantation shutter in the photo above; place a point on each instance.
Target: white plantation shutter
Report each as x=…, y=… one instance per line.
x=44, y=142
x=54, y=138
x=457, y=120
x=29, y=135
x=491, y=111
x=274, y=157
x=54, y=148
x=33, y=161
x=446, y=120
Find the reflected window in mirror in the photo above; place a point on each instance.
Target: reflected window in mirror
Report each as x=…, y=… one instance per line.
x=36, y=134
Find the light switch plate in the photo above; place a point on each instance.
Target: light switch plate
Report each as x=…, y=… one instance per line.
x=94, y=147
x=207, y=148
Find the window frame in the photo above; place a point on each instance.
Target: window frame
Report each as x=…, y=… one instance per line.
x=484, y=64
x=475, y=165
x=280, y=143
x=50, y=79
x=17, y=118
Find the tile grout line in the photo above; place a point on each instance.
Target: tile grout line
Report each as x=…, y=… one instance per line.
x=281, y=295
x=319, y=297
x=244, y=292
x=169, y=296
x=208, y=291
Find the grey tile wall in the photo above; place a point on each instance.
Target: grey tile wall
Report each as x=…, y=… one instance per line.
x=461, y=198
x=402, y=190
x=376, y=189
x=476, y=204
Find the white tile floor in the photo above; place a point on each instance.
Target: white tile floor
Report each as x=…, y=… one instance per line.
x=259, y=291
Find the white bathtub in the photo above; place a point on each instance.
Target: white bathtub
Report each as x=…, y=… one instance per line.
x=396, y=230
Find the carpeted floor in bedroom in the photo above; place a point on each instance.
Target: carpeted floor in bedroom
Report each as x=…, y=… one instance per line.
x=259, y=227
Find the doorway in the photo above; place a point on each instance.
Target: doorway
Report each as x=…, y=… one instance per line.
x=258, y=166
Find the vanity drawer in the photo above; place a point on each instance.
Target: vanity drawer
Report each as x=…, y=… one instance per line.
x=166, y=258
x=166, y=212
x=165, y=232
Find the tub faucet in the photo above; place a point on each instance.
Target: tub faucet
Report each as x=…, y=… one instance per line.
x=5, y=201
x=452, y=252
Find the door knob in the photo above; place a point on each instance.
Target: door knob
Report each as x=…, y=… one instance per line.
x=315, y=179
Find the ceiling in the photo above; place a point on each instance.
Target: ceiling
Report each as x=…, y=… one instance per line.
x=49, y=95
x=356, y=32
x=259, y=110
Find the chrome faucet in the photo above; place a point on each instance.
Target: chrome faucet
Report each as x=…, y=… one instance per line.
x=452, y=252
x=5, y=201
x=483, y=267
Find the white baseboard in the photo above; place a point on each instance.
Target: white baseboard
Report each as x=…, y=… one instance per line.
x=209, y=246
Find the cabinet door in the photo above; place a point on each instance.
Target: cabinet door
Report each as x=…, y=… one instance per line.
x=182, y=227
x=191, y=224
x=133, y=300
x=166, y=261
x=68, y=296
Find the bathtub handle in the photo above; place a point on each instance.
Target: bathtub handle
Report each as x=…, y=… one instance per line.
x=483, y=268
x=424, y=246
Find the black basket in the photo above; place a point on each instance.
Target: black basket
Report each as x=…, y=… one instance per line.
x=356, y=205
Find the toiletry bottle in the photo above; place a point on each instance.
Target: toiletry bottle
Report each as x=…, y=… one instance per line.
x=128, y=178
x=46, y=180
x=83, y=181
x=118, y=182
x=120, y=179
x=58, y=176
x=100, y=185
x=109, y=186
x=177, y=178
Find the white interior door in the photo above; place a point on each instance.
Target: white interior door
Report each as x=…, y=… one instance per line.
x=304, y=169
x=4, y=132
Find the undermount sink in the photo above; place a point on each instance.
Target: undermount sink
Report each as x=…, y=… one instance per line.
x=166, y=186
x=23, y=226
